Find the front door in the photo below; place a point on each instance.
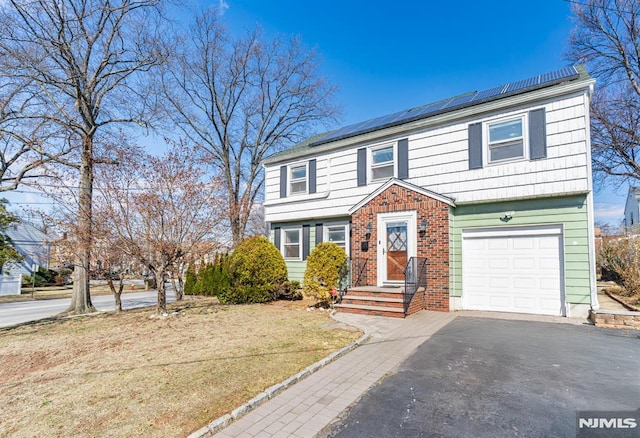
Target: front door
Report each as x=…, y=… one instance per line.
x=396, y=243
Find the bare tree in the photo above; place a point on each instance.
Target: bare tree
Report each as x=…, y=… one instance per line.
x=83, y=61
x=160, y=211
x=22, y=142
x=243, y=99
x=606, y=38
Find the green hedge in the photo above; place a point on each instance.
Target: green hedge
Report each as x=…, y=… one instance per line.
x=257, y=272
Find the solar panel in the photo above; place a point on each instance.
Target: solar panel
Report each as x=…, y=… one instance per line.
x=563, y=73
x=461, y=100
x=525, y=83
x=441, y=106
x=486, y=94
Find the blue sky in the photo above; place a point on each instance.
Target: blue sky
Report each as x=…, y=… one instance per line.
x=387, y=56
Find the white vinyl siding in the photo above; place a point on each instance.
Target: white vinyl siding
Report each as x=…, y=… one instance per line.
x=438, y=160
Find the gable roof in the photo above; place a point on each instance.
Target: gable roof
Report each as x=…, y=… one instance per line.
x=635, y=191
x=23, y=233
x=455, y=103
x=398, y=182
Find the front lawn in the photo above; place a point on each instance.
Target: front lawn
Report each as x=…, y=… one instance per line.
x=135, y=374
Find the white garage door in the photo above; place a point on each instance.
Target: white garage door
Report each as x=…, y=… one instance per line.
x=513, y=270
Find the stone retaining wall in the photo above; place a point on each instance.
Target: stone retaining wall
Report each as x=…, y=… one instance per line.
x=615, y=319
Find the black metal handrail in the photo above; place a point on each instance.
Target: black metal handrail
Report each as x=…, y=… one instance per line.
x=415, y=277
x=361, y=272
x=344, y=279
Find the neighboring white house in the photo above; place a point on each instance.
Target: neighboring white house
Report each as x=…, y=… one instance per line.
x=32, y=243
x=489, y=192
x=632, y=209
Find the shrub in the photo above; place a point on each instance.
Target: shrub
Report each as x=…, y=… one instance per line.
x=290, y=290
x=256, y=272
x=323, y=271
x=246, y=294
x=622, y=257
x=211, y=277
x=190, y=280
x=42, y=277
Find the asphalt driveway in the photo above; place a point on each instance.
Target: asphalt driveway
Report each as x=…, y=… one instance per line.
x=481, y=377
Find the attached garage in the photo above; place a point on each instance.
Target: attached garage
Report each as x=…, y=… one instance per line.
x=513, y=269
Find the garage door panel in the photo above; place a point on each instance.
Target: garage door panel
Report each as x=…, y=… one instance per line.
x=497, y=245
x=501, y=302
x=524, y=303
x=550, y=284
x=513, y=273
x=499, y=282
x=498, y=263
x=524, y=283
x=523, y=262
x=522, y=243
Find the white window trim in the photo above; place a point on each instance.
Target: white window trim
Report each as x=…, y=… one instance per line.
x=283, y=242
x=370, y=165
x=525, y=139
x=290, y=181
x=347, y=243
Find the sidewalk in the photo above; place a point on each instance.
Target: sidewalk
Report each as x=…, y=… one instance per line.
x=305, y=408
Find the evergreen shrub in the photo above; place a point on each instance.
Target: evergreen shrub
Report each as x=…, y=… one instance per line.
x=257, y=271
x=323, y=271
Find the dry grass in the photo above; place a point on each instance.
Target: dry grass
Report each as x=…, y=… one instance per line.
x=57, y=292
x=131, y=374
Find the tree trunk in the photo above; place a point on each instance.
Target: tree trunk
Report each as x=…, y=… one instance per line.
x=162, y=292
x=81, y=298
x=117, y=294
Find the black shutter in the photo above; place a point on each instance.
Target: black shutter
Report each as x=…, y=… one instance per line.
x=283, y=181
x=312, y=176
x=319, y=235
x=362, y=167
x=403, y=158
x=537, y=134
x=475, y=146
x=305, y=241
x=276, y=237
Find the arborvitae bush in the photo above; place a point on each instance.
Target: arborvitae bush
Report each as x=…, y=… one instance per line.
x=256, y=270
x=323, y=271
x=190, y=280
x=211, y=277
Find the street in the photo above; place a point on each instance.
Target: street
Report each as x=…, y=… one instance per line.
x=15, y=313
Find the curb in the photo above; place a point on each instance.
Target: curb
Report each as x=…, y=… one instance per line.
x=624, y=303
x=221, y=422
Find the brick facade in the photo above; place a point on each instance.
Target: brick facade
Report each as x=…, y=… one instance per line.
x=433, y=244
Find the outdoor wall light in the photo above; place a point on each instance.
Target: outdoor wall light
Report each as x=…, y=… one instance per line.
x=507, y=216
x=367, y=231
x=423, y=227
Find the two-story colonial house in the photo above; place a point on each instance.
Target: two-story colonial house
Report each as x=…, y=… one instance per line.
x=482, y=201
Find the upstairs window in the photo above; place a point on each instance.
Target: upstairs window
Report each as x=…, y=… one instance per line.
x=382, y=163
x=298, y=179
x=505, y=140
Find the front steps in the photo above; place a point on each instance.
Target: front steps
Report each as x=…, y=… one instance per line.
x=372, y=300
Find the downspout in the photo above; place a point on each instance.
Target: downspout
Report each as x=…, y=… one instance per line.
x=595, y=305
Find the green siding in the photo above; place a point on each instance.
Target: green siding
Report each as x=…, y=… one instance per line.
x=570, y=212
x=296, y=268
